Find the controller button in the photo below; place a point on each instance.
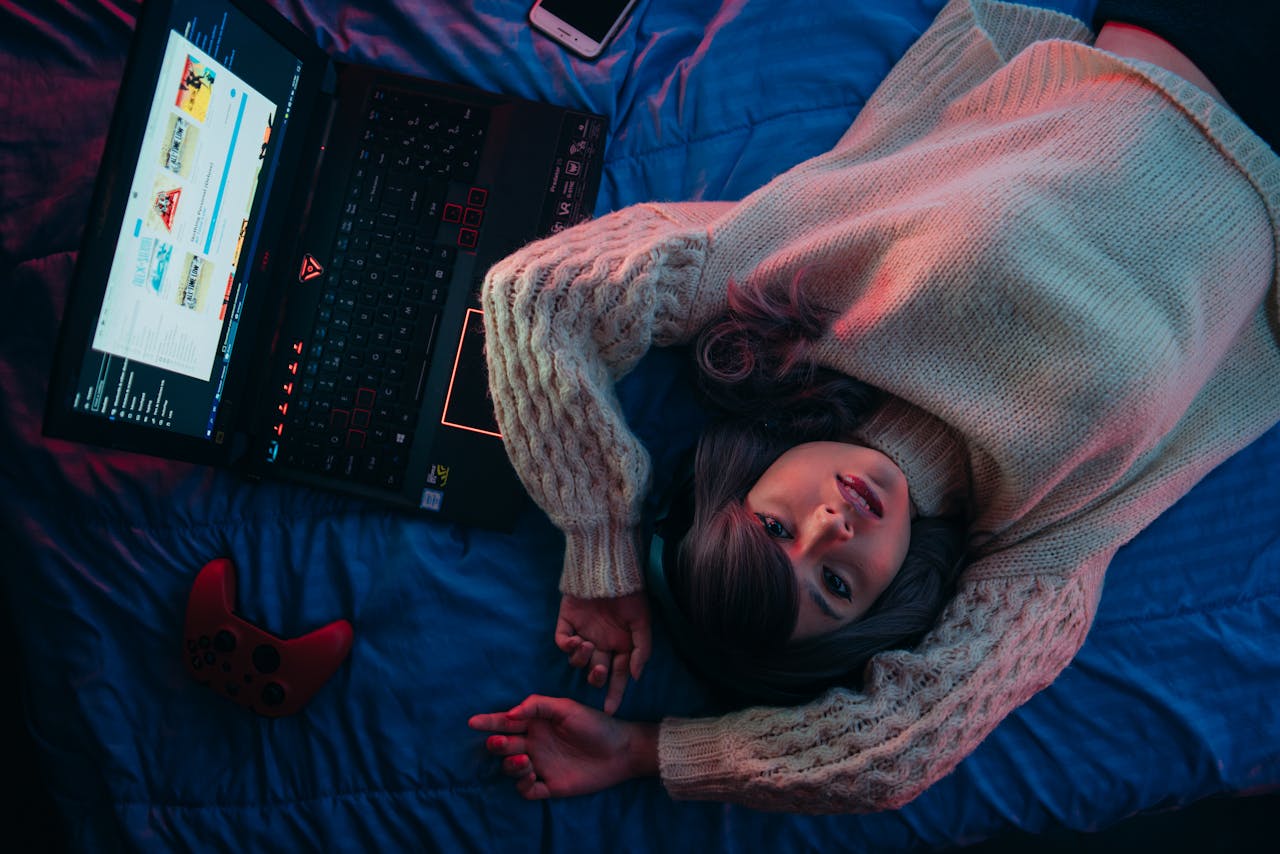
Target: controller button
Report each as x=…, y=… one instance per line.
x=273, y=694
x=224, y=641
x=196, y=662
x=248, y=677
x=204, y=641
x=226, y=667
x=191, y=646
x=210, y=658
x=266, y=658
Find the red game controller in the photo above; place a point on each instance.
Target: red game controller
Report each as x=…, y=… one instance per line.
x=240, y=661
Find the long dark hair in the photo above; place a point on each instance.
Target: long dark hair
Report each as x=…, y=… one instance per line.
x=731, y=581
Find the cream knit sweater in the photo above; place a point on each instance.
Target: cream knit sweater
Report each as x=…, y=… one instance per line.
x=1060, y=264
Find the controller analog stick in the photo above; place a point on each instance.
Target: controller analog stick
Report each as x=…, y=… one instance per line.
x=266, y=658
x=273, y=694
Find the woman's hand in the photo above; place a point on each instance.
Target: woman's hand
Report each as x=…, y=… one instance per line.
x=556, y=747
x=608, y=636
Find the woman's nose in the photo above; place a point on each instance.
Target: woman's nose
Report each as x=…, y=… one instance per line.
x=831, y=524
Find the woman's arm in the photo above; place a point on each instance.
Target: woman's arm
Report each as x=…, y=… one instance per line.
x=565, y=318
x=921, y=712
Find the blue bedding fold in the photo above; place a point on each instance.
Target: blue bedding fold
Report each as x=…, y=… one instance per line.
x=1172, y=698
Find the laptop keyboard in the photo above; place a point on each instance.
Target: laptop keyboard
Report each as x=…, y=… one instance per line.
x=352, y=395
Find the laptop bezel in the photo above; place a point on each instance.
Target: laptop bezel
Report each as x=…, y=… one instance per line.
x=87, y=286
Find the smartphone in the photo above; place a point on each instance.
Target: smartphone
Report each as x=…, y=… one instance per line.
x=583, y=26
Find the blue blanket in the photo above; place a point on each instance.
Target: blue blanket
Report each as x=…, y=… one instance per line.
x=1172, y=699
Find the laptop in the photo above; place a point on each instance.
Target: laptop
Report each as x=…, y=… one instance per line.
x=281, y=267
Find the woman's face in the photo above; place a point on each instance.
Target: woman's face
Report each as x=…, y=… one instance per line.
x=842, y=515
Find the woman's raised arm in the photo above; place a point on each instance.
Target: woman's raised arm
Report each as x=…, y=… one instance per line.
x=565, y=318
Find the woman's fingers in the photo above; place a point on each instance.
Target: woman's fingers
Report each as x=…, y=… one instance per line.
x=617, y=682
x=498, y=722
x=567, y=637
x=597, y=661
x=532, y=789
x=506, y=745
x=599, y=672
x=581, y=656
x=545, y=708
x=642, y=645
x=517, y=766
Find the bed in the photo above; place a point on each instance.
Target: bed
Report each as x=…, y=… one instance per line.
x=1173, y=699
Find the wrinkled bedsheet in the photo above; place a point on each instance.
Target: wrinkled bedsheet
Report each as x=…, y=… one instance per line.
x=1173, y=698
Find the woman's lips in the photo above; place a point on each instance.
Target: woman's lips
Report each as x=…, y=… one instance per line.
x=860, y=496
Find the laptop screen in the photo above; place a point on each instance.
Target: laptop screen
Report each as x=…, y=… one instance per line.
x=212, y=134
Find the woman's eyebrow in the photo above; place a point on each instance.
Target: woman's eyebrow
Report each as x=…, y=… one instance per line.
x=821, y=602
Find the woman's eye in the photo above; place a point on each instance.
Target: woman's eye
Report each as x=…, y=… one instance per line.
x=836, y=584
x=773, y=527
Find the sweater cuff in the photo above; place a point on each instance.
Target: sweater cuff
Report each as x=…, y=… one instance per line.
x=600, y=561
x=697, y=760
x=929, y=453
x=1012, y=26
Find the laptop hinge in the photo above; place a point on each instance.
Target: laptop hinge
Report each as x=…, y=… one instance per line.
x=328, y=109
x=304, y=191
x=329, y=85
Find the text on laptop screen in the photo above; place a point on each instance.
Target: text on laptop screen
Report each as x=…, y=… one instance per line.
x=176, y=287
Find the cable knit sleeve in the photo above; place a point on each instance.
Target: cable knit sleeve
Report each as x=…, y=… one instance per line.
x=1000, y=641
x=565, y=318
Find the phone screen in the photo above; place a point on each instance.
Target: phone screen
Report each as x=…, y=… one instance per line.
x=592, y=18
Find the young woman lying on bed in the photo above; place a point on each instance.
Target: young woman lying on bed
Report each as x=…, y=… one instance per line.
x=1053, y=264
